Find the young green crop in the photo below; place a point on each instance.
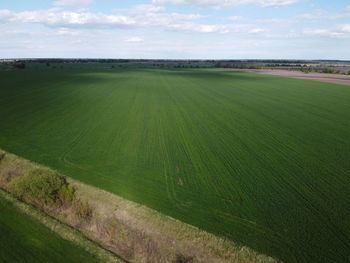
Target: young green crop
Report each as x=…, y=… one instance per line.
x=262, y=160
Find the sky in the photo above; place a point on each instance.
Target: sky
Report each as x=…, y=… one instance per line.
x=175, y=29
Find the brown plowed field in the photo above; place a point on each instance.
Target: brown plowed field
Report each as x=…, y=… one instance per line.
x=323, y=77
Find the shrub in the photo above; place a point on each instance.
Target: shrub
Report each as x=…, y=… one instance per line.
x=67, y=192
x=48, y=189
x=82, y=209
x=39, y=186
x=329, y=70
x=306, y=69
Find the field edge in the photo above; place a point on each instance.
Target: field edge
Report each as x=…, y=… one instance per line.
x=64, y=231
x=130, y=230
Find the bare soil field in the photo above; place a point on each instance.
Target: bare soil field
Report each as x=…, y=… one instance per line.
x=323, y=77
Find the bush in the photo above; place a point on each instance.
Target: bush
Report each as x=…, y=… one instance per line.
x=67, y=192
x=306, y=69
x=39, y=186
x=82, y=209
x=47, y=189
x=329, y=70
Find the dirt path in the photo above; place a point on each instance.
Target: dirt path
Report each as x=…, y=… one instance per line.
x=323, y=77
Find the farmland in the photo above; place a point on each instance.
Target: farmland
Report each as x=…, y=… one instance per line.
x=261, y=160
x=23, y=239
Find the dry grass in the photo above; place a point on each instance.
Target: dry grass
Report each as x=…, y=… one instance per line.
x=133, y=232
x=11, y=167
x=155, y=233
x=62, y=230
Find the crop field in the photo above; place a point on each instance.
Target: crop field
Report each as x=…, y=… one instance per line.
x=23, y=239
x=262, y=160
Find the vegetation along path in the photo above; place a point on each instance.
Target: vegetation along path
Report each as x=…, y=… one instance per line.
x=25, y=239
x=262, y=160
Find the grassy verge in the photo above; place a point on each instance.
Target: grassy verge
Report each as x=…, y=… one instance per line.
x=134, y=232
x=29, y=235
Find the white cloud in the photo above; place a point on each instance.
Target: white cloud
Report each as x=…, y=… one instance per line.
x=322, y=14
x=344, y=28
x=272, y=3
x=5, y=15
x=137, y=16
x=337, y=31
x=257, y=30
x=271, y=21
x=215, y=28
x=319, y=13
x=141, y=9
x=87, y=20
x=199, y=28
x=134, y=39
x=236, y=18
x=57, y=18
x=220, y=4
x=75, y=3
x=67, y=32
x=153, y=15
x=165, y=19
x=67, y=19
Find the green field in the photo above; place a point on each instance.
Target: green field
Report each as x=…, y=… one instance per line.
x=24, y=239
x=259, y=159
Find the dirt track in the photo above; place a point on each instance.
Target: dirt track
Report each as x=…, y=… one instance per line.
x=323, y=77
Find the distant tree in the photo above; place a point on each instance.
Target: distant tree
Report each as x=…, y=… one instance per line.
x=329, y=70
x=19, y=65
x=306, y=69
x=48, y=64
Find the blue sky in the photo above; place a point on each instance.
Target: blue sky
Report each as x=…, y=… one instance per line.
x=176, y=29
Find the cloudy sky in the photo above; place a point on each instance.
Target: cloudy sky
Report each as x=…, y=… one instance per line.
x=215, y=29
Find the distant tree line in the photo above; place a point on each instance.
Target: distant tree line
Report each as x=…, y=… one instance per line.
x=322, y=69
x=302, y=65
x=19, y=65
